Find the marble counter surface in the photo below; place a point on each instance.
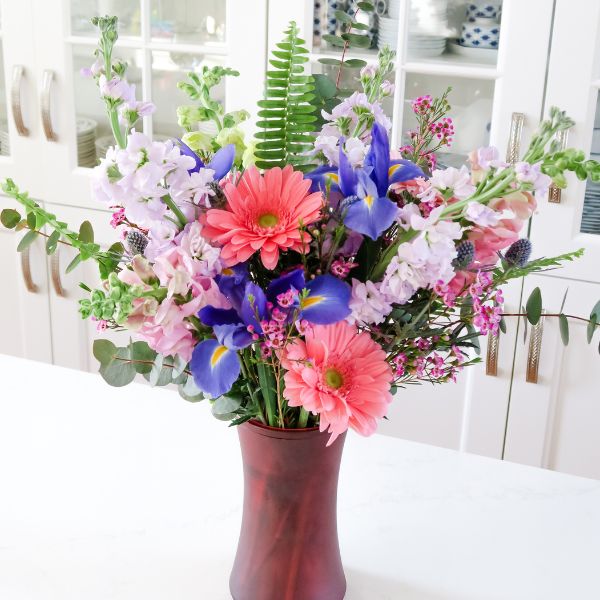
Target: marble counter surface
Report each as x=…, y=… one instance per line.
x=135, y=494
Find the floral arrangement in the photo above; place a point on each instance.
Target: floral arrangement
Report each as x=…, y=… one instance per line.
x=302, y=278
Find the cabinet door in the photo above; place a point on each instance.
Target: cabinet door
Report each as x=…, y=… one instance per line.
x=24, y=310
x=571, y=219
x=554, y=419
x=72, y=337
x=20, y=156
x=160, y=41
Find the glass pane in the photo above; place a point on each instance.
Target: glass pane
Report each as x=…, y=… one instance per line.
x=471, y=102
x=590, y=219
x=93, y=130
x=325, y=22
x=350, y=80
x=128, y=12
x=4, y=136
x=188, y=21
x=168, y=68
x=455, y=31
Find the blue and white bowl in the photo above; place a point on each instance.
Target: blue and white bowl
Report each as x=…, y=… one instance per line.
x=480, y=35
x=483, y=10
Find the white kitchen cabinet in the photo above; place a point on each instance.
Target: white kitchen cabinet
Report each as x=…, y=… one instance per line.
x=550, y=423
x=554, y=422
x=160, y=41
x=24, y=309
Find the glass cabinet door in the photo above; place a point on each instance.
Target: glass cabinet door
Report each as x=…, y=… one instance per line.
x=161, y=41
x=19, y=116
x=570, y=219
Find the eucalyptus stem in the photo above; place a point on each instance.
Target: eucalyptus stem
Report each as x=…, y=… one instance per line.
x=176, y=210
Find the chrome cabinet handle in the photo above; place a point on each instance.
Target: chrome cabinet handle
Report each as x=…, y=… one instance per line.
x=55, y=274
x=533, y=353
x=15, y=100
x=26, y=271
x=491, y=359
x=555, y=193
x=514, y=137
x=45, y=106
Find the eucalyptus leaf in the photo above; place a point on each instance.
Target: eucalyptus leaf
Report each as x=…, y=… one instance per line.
x=119, y=371
x=334, y=40
x=563, y=326
x=534, y=306
x=103, y=351
x=224, y=407
x=366, y=6
x=86, y=233
x=591, y=328
x=355, y=63
x=52, y=242
x=140, y=351
x=10, y=218
x=73, y=263
x=31, y=220
x=27, y=240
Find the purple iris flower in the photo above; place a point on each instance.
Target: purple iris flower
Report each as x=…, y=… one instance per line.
x=215, y=364
x=220, y=163
x=366, y=207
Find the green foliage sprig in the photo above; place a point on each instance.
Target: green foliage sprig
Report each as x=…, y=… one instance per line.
x=287, y=113
x=36, y=218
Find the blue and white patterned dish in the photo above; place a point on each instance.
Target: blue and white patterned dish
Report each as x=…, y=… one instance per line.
x=480, y=35
x=484, y=10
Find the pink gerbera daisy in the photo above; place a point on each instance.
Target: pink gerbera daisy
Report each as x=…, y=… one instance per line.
x=264, y=212
x=339, y=374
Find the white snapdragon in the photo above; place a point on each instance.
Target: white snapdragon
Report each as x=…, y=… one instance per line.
x=456, y=181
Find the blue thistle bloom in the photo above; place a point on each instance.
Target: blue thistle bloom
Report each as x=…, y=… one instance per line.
x=465, y=253
x=518, y=253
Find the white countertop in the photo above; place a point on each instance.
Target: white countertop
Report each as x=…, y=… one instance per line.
x=135, y=494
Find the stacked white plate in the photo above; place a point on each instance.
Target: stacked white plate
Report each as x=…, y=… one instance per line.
x=86, y=139
x=4, y=139
x=427, y=30
x=388, y=32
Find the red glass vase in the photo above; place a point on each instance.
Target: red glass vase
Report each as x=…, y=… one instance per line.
x=288, y=547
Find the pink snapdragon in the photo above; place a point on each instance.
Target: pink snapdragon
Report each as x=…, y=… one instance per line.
x=368, y=304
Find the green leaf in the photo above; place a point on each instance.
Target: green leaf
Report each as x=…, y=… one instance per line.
x=324, y=87
x=103, y=351
x=86, y=233
x=563, y=324
x=27, y=240
x=73, y=263
x=562, y=304
x=366, y=6
x=9, y=218
x=159, y=375
x=358, y=41
x=140, y=351
x=355, y=63
x=180, y=365
x=119, y=371
x=31, y=220
x=330, y=61
x=596, y=311
x=361, y=26
x=189, y=391
x=52, y=242
x=224, y=407
x=534, y=306
x=342, y=17
x=334, y=40
x=591, y=328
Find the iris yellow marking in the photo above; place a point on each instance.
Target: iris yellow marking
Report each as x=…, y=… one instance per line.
x=311, y=301
x=333, y=176
x=217, y=356
x=369, y=200
x=394, y=168
x=227, y=271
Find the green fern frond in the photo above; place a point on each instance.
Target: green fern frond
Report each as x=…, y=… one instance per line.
x=287, y=114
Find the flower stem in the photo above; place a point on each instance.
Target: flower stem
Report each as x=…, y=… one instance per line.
x=176, y=210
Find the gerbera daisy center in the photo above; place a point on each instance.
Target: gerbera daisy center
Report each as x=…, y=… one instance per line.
x=267, y=220
x=333, y=378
